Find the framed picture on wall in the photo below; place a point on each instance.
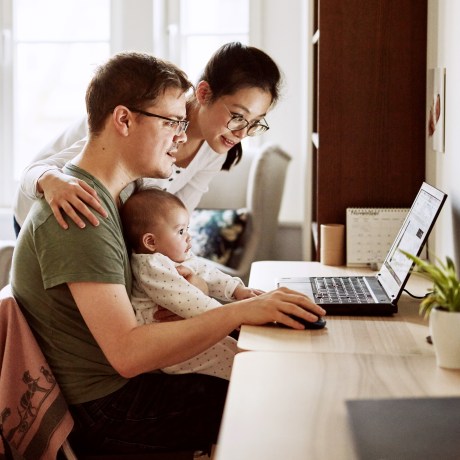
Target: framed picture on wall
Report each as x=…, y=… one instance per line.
x=436, y=97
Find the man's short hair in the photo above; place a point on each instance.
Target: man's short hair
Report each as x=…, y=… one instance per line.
x=130, y=79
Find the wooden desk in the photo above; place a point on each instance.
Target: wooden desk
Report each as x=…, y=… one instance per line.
x=402, y=334
x=286, y=405
x=292, y=405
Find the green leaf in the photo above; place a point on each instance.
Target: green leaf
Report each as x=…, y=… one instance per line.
x=446, y=285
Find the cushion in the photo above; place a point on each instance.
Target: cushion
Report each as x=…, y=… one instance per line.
x=217, y=233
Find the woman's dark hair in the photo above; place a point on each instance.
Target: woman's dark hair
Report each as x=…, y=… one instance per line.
x=235, y=66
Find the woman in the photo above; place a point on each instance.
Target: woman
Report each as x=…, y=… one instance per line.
x=238, y=87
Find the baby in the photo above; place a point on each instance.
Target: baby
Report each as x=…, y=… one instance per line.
x=155, y=224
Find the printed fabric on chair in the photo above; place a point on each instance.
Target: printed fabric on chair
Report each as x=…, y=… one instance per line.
x=34, y=417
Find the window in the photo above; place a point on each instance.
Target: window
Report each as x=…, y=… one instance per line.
x=54, y=60
x=202, y=27
x=197, y=28
x=49, y=49
x=51, y=61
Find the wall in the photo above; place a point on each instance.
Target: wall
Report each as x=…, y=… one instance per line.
x=443, y=168
x=284, y=36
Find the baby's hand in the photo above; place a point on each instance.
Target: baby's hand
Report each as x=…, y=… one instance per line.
x=242, y=292
x=164, y=315
x=194, y=279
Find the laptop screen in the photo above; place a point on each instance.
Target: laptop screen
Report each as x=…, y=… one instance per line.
x=411, y=237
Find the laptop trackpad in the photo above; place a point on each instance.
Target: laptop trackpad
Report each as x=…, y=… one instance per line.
x=302, y=285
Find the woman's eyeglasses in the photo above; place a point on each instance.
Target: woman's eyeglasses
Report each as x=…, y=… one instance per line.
x=237, y=122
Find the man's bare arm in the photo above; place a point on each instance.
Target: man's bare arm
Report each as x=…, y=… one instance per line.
x=133, y=349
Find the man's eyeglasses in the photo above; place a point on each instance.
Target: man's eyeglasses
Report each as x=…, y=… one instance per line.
x=179, y=125
x=237, y=122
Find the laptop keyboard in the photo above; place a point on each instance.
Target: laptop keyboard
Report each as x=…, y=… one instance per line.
x=341, y=290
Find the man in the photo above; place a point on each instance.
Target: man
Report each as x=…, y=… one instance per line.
x=74, y=285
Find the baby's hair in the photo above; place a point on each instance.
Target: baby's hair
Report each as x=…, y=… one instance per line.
x=142, y=211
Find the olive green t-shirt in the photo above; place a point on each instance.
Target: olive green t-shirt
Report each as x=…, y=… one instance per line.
x=45, y=259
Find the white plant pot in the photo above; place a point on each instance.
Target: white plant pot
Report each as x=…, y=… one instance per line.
x=445, y=332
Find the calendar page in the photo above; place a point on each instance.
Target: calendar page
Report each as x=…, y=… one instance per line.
x=370, y=233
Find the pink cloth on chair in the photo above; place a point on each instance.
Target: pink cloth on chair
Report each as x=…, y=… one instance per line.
x=34, y=417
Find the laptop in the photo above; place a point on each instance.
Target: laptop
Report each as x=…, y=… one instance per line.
x=378, y=294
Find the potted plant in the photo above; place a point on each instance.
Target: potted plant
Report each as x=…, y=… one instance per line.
x=442, y=306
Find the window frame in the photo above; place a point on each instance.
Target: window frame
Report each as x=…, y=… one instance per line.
x=7, y=185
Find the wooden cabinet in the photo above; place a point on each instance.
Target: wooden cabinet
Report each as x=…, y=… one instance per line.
x=369, y=105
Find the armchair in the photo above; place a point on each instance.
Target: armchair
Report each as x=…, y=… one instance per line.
x=256, y=185
x=6, y=254
x=35, y=420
